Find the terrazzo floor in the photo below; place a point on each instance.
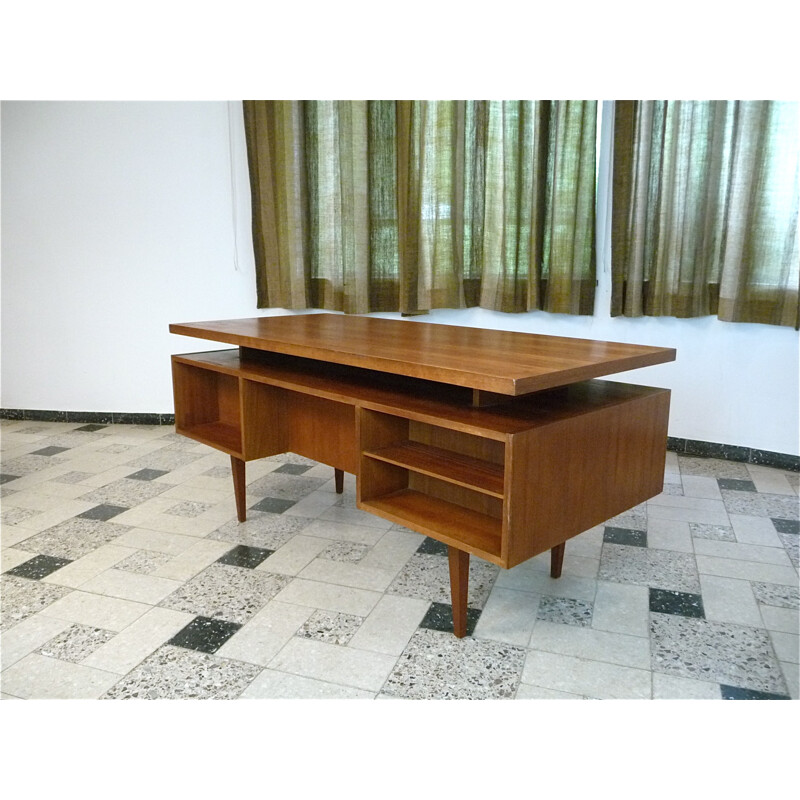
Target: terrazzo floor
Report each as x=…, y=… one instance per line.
x=126, y=575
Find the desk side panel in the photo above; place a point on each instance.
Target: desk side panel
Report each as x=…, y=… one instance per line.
x=580, y=471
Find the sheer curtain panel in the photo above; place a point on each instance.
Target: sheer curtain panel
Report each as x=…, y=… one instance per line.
x=402, y=205
x=705, y=210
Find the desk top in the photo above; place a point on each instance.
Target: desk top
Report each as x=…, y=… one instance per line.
x=489, y=360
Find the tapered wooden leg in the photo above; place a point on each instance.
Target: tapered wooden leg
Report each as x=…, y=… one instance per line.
x=459, y=584
x=338, y=476
x=237, y=468
x=556, y=560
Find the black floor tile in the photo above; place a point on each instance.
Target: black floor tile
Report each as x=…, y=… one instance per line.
x=102, y=512
x=49, y=451
x=786, y=525
x=736, y=693
x=91, y=427
x=736, y=485
x=244, y=556
x=292, y=469
x=432, y=547
x=440, y=618
x=147, y=474
x=273, y=505
x=627, y=536
x=38, y=567
x=5, y=478
x=683, y=604
x=205, y=634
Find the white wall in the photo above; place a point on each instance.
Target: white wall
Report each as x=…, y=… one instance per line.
x=116, y=221
x=119, y=218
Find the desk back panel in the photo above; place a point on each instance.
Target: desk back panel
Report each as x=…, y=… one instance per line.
x=322, y=430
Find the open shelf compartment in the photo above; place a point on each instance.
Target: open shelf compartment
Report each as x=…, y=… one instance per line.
x=462, y=470
x=207, y=406
x=440, y=482
x=453, y=524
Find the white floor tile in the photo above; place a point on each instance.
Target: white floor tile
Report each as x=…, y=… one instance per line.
x=593, y=679
x=701, y=486
x=138, y=640
x=193, y=560
x=315, y=594
x=346, y=574
x=292, y=557
x=747, y=570
x=274, y=685
x=674, y=687
x=131, y=586
x=729, y=600
x=89, y=566
x=786, y=645
x=742, y=552
x=786, y=620
x=27, y=635
x=266, y=634
x=596, y=645
x=110, y=613
x=621, y=608
x=389, y=626
x=13, y=557
x=46, y=678
x=330, y=662
x=754, y=530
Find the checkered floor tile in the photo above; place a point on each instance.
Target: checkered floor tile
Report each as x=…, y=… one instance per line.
x=125, y=574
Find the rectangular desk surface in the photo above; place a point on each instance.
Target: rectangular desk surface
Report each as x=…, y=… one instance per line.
x=504, y=362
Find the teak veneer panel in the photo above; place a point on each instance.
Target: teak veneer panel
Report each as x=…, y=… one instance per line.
x=504, y=362
x=577, y=472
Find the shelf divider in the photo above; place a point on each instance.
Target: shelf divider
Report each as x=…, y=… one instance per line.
x=465, y=529
x=446, y=465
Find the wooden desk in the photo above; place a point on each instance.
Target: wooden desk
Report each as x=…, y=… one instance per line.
x=501, y=445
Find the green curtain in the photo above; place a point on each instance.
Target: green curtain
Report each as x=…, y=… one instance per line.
x=705, y=210
x=365, y=206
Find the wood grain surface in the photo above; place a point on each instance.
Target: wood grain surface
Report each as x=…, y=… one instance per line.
x=490, y=360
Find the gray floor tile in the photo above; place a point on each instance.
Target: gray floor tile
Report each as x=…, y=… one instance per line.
x=428, y=577
x=233, y=594
x=662, y=569
x=21, y=598
x=74, y=538
x=437, y=666
x=735, y=655
x=175, y=673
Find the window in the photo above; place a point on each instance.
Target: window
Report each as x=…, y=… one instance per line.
x=410, y=205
